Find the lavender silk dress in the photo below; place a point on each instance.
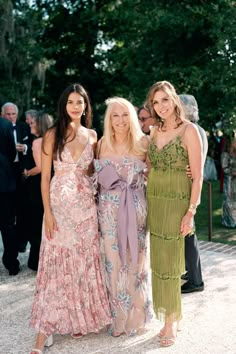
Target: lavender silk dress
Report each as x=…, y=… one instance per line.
x=70, y=293
x=122, y=219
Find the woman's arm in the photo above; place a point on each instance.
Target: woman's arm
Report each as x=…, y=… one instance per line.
x=36, y=148
x=93, y=142
x=193, y=143
x=98, y=148
x=145, y=143
x=47, y=158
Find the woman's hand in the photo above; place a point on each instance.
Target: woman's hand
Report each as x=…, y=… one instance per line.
x=50, y=225
x=187, y=224
x=189, y=172
x=25, y=173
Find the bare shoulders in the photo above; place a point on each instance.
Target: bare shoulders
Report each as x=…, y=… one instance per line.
x=92, y=135
x=92, y=132
x=49, y=136
x=190, y=135
x=37, y=143
x=189, y=129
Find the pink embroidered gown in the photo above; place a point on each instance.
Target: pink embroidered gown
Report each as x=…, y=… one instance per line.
x=70, y=293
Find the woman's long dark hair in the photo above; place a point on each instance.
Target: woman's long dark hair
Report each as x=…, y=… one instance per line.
x=62, y=123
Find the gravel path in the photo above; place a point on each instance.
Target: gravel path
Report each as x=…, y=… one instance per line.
x=209, y=325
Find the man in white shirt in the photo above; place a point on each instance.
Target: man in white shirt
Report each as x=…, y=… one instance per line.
x=23, y=160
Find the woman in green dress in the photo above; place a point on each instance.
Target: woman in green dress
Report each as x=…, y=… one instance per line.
x=172, y=200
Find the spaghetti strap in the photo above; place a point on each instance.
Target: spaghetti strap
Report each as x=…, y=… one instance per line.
x=184, y=130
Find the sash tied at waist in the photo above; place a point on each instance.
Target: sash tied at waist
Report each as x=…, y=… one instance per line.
x=109, y=179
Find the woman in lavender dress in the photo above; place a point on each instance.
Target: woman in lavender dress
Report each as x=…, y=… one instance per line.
x=122, y=216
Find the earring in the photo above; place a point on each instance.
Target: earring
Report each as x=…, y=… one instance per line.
x=83, y=113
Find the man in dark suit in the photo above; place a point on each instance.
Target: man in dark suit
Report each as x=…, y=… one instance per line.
x=23, y=160
x=7, y=192
x=192, y=255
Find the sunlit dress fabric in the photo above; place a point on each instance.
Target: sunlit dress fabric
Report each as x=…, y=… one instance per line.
x=168, y=196
x=228, y=164
x=122, y=220
x=70, y=294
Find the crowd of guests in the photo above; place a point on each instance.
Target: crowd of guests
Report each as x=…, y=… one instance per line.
x=86, y=208
x=20, y=184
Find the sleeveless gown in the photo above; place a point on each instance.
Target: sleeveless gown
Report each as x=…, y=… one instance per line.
x=168, y=196
x=70, y=294
x=122, y=220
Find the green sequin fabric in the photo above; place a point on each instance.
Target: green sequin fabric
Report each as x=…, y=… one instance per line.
x=168, y=196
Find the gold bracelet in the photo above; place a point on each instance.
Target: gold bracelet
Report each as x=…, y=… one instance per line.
x=192, y=208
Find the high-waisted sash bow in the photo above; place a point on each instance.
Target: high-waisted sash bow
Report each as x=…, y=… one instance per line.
x=109, y=179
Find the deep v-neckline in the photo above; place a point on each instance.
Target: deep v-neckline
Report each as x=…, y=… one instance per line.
x=167, y=144
x=71, y=155
x=76, y=161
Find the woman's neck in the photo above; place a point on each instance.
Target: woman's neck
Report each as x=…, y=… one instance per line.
x=76, y=125
x=120, y=139
x=170, y=124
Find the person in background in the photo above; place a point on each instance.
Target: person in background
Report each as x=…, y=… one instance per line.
x=172, y=200
x=29, y=115
x=7, y=191
x=34, y=207
x=145, y=119
x=23, y=159
x=120, y=167
x=228, y=163
x=192, y=254
x=70, y=296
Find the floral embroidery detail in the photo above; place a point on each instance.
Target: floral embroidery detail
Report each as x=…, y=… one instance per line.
x=123, y=299
x=166, y=158
x=80, y=187
x=141, y=280
x=70, y=281
x=115, y=247
x=127, y=289
x=109, y=267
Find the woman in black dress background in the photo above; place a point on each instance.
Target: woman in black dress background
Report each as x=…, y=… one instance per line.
x=39, y=125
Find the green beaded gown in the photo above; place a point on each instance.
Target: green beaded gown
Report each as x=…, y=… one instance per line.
x=168, y=196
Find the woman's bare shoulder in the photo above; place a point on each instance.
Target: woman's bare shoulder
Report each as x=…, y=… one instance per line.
x=37, y=143
x=50, y=134
x=189, y=127
x=92, y=135
x=191, y=133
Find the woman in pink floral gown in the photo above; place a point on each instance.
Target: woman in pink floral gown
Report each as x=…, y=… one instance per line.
x=122, y=211
x=70, y=295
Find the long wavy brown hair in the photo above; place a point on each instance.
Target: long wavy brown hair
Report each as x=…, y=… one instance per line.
x=62, y=123
x=169, y=89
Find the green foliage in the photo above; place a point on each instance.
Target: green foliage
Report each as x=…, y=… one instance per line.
x=219, y=232
x=191, y=44
x=119, y=47
x=20, y=53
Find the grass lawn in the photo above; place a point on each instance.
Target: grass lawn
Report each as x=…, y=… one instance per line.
x=219, y=232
